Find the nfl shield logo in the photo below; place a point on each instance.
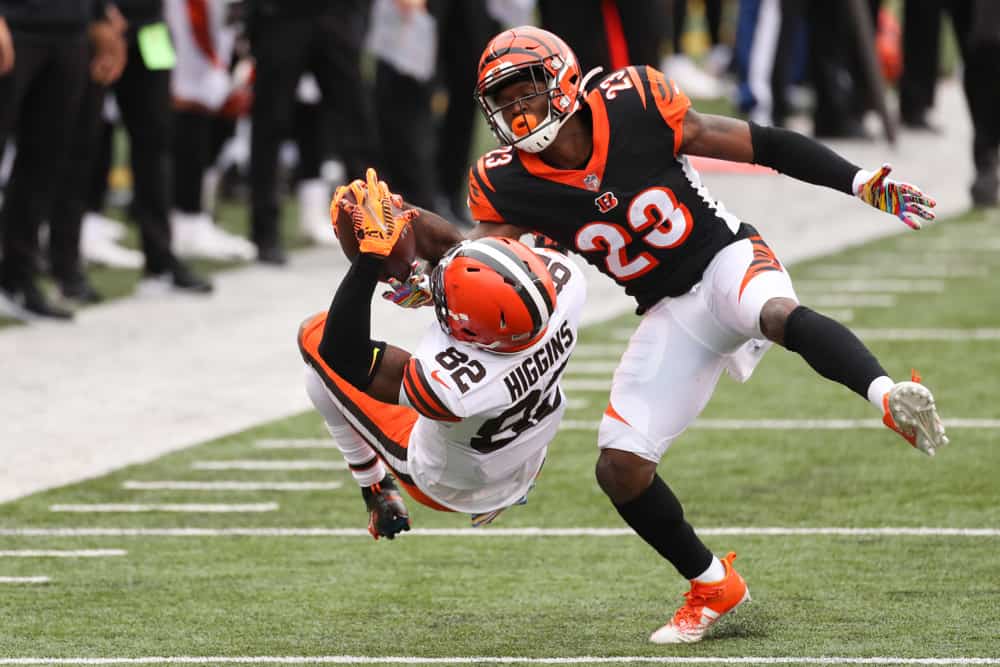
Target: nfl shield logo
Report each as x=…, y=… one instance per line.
x=591, y=182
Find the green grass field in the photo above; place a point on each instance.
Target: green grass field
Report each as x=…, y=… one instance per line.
x=851, y=596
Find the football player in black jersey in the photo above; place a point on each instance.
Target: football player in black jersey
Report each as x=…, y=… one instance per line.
x=598, y=164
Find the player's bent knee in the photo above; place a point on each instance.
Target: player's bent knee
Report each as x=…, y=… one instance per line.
x=773, y=317
x=623, y=476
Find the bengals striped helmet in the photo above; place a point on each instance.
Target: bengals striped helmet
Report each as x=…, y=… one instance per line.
x=532, y=54
x=494, y=293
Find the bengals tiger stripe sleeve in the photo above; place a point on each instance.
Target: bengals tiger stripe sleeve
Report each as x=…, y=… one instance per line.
x=421, y=395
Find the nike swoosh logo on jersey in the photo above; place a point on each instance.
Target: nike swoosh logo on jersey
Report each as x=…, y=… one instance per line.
x=434, y=374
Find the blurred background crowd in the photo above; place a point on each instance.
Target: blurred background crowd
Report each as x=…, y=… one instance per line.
x=218, y=128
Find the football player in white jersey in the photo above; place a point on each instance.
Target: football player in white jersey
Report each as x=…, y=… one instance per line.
x=464, y=422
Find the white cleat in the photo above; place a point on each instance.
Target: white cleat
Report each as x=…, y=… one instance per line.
x=910, y=411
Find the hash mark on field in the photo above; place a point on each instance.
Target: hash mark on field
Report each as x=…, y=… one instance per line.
x=295, y=443
x=167, y=507
x=62, y=553
x=269, y=465
x=24, y=580
x=762, y=531
x=787, y=424
x=499, y=660
x=229, y=486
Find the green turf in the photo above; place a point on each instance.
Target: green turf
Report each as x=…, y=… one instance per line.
x=851, y=596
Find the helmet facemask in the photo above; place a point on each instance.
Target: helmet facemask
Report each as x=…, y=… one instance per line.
x=525, y=131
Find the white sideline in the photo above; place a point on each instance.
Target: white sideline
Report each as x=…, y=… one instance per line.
x=764, y=531
x=294, y=443
x=269, y=465
x=233, y=485
x=781, y=424
x=24, y=580
x=501, y=660
x=62, y=553
x=211, y=508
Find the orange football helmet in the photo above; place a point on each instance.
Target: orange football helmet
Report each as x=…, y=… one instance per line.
x=494, y=293
x=537, y=55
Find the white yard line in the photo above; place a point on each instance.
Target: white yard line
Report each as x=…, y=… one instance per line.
x=897, y=270
x=761, y=531
x=295, y=443
x=881, y=285
x=24, y=580
x=62, y=553
x=269, y=465
x=500, y=660
x=853, y=300
x=787, y=424
x=599, y=350
x=961, y=335
x=577, y=368
x=213, y=508
x=229, y=486
x=571, y=384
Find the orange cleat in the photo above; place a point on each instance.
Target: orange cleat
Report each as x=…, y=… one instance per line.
x=706, y=604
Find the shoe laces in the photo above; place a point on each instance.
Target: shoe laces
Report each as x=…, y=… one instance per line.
x=695, y=599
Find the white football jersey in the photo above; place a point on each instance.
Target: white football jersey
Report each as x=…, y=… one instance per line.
x=486, y=419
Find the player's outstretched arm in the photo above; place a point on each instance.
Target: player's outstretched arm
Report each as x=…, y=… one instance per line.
x=804, y=159
x=374, y=367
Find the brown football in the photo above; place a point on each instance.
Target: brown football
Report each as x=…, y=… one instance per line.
x=397, y=264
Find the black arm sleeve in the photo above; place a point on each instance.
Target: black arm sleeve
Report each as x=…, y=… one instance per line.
x=346, y=346
x=801, y=158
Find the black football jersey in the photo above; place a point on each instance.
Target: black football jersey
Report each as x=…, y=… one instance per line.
x=637, y=210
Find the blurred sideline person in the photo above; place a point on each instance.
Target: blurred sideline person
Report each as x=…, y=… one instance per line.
x=142, y=94
x=429, y=157
x=287, y=38
x=203, y=90
x=599, y=166
x=44, y=63
x=977, y=30
x=464, y=422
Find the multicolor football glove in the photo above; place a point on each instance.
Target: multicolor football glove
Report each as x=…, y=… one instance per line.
x=376, y=225
x=903, y=200
x=415, y=291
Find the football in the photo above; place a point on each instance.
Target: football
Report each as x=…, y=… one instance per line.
x=397, y=264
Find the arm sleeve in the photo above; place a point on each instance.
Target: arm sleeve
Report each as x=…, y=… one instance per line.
x=346, y=346
x=801, y=158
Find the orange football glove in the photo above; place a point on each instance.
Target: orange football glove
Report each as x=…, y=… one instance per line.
x=376, y=226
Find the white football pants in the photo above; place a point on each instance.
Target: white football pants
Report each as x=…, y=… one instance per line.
x=682, y=344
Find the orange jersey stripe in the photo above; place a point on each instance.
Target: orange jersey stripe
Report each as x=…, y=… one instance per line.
x=763, y=261
x=420, y=393
x=633, y=74
x=671, y=103
x=480, y=207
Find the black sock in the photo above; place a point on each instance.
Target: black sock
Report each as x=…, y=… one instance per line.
x=657, y=517
x=832, y=350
